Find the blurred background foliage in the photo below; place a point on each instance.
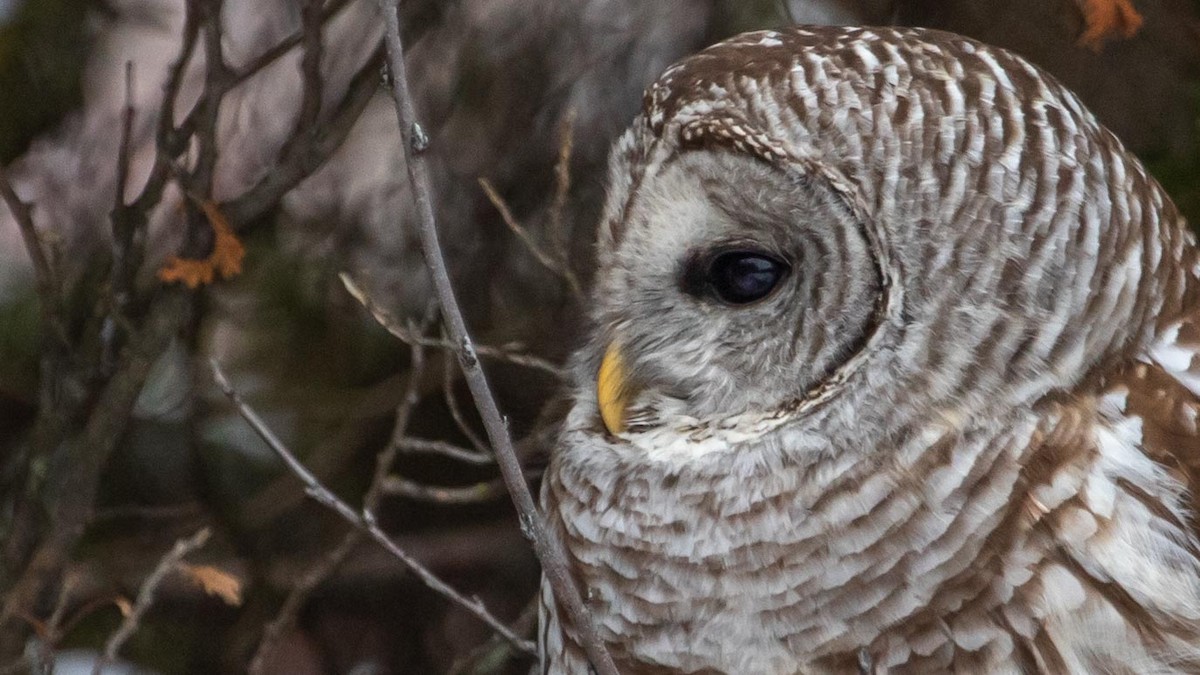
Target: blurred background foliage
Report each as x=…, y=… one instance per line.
x=1179, y=172
x=43, y=47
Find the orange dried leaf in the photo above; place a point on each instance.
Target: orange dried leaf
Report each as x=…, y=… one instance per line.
x=124, y=605
x=227, y=248
x=225, y=259
x=215, y=581
x=1104, y=19
x=191, y=273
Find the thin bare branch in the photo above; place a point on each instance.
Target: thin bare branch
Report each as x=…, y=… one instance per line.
x=311, y=19
x=167, y=135
x=456, y=413
x=455, y=452
x=558, y=267
x=562, y=188
x=145, y=596
x=80, y=448
x=87, y=452
x=47, y=284
x=287, y=44
x=127, y=114
x=412, y=396
x=169, y=141
x=547, y=547
x=286, y=618
x=305, y=158
x=54, y=623
x=399, y=486
x=77, y=455
x=124, y=266
x=218, y=80
x=504, y=353
x=495, y=651
x=384, y=483
x=288, y=613
x=512, y=354
x=365, y=520
x=312, y=83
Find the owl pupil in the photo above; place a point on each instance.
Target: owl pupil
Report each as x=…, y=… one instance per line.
x=741, y=277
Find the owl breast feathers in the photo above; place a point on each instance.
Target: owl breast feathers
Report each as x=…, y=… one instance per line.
x=894, y=370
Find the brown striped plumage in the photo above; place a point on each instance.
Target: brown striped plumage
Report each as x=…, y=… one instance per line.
x=961, y=435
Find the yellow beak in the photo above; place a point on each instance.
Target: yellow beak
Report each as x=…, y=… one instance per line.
x=612, y=390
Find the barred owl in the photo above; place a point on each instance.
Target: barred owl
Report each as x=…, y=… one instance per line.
x=893, y=370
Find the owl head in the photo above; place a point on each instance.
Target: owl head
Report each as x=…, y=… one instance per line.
x=865, y=223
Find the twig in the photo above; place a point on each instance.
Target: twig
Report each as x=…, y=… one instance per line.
x=311, y=19
x=87, y=610
x=495, y=652
x=145, y=596
x=365, y=520
x=412, y=396
x=286, y=618
x=556, y=266
x=121, y=232
x=54, y=623
x=305, y=128
x=562, y=190
x=170, y=140
x=104, y=405
x=124, y=267
x=86, y=453
x=455, y=452
x=386, y=319
x=218, y=80
x=78, y=434
x=290, y=611
x=286, y=45
x=547, y=547
x=305, y=158
x=456, y=413
x=467, y=494
x=384, y=483
x=50, y=631
x=177, y=511
x=49, y=290
x=202, y=125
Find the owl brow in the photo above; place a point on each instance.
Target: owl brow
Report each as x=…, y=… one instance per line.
x=724, y=130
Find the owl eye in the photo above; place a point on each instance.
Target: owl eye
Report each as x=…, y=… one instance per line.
x=743, y=277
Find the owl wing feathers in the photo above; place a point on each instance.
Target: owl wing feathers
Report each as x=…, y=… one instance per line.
x=1111, y=487
x=1164, y=394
